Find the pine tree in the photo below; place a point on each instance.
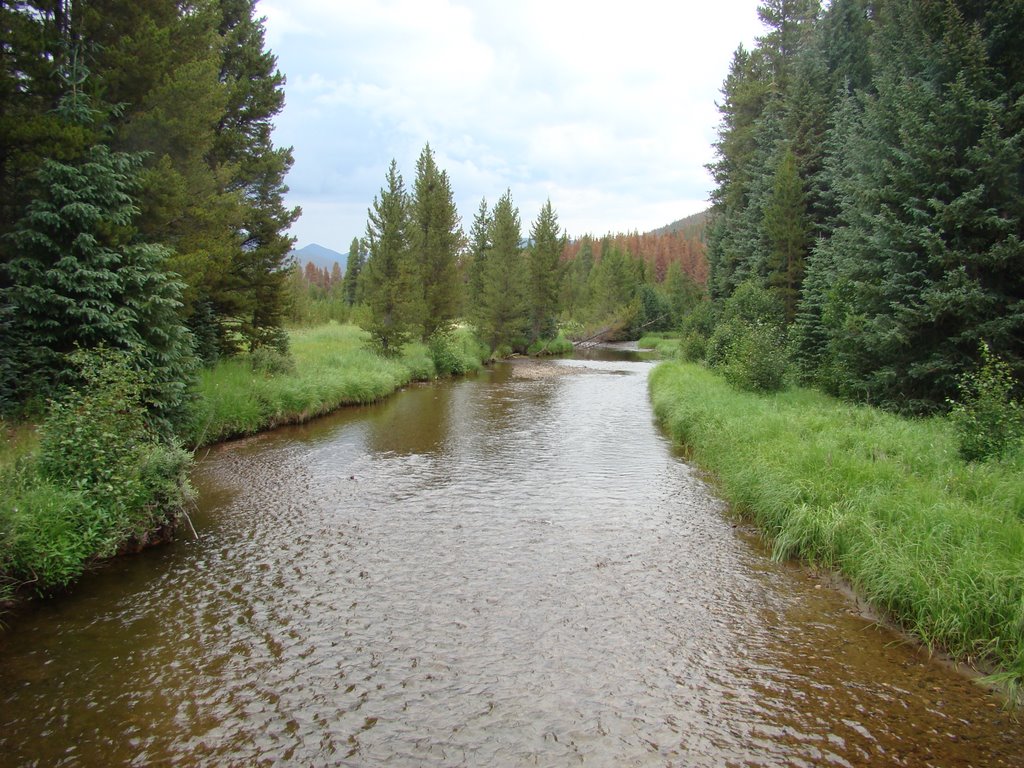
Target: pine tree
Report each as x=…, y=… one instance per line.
x=435, y=239
x=255, y=90
x=78, y=281
x=545, y=273
x=353, y=266
x=391, y=279
x=786, y=230
x=503, y=309
x=479, y=247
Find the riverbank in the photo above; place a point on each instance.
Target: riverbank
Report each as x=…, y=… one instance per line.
x=665, y=345
x=53, y=527
x=931, y=542
x=333, y=367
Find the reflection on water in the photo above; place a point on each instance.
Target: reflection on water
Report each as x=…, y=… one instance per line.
x=509, y=570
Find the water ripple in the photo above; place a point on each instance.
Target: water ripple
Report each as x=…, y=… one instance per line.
x=511, y=571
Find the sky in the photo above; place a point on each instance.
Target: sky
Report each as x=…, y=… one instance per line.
x=605, y=108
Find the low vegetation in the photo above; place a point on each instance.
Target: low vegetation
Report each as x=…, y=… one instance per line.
x=665, y=344
x=328, y=367
x=932, y=541
x=98, y=478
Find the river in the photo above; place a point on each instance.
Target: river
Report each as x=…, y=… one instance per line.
x=509, y=570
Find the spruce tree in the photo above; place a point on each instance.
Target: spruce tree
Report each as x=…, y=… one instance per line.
x=930, y=216
x=255, y=95
x=353, y=266
x=786, y=231
x=435, y=240
x=479, y=247
x=503, y=309
x=391, y=280
x=78, y=280
x=545, y=273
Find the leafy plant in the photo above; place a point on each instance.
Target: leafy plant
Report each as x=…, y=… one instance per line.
x=99, y=440
x=748, y=344
x=989, y=422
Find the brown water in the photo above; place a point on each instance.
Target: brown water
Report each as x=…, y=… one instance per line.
x=512, y=570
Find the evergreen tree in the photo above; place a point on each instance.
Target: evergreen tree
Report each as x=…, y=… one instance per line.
x=391, y=279
x=681, y=292
x=545, y=273
x=786, y=230
x=746, y=93
x=503, y=308
x=577, y=282
x=791, y=25
x=160, y=64
x=479, y=247
x=353, y=266
x=931, y=216
x=436, y=238
x=255, y=95
x=78, y=281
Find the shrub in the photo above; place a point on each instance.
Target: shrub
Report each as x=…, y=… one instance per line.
x=695, y=330
x=445, y=352
x=748, y=344
x=271, y=361
x=988, y=421
x=756, y=359
x=556, y=346
x=99, y=445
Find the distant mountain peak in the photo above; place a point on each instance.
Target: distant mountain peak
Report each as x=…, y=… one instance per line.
x=320, y=255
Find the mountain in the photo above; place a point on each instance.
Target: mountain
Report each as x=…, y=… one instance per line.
x=692, y=227
x=319, y=255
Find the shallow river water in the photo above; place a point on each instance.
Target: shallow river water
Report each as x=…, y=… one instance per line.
x=511, y=570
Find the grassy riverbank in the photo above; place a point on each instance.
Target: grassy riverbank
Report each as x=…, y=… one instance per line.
x=934, y=543
x=664, y=344
x=332, y=368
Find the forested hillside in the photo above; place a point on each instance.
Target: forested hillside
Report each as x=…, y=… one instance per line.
x=141, y=195
x=869, y=177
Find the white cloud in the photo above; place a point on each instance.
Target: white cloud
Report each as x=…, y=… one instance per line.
x=608, y=108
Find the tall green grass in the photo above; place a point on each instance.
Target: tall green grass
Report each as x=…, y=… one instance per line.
x=934, y=543
x=665, y=344
x=333, y=367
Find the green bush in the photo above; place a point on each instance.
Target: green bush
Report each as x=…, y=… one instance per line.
x=271, y=361
x=748, y=344
x=988, y=421
x=756, y=359
x=695, y=330
x=102, y=477
x=693, y=347
x=456, y=352
x=556, y=346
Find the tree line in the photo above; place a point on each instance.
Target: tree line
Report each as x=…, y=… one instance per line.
x=869, y=178
x=141, y=194
x=416, y=272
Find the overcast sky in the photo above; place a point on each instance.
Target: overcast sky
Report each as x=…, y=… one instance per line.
x=608, y=109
